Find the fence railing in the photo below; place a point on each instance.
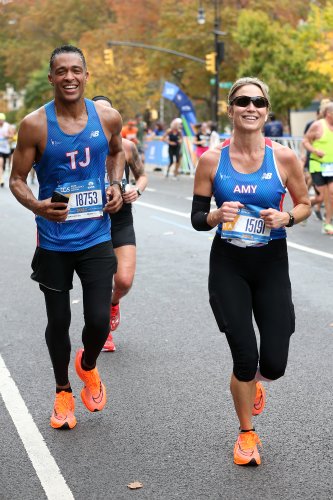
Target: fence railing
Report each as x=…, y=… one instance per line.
x=157, y=155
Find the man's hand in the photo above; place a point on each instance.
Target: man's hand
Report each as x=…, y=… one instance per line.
x=115, y=199
x=319, y=153
x=131, y=194
x=53, y=211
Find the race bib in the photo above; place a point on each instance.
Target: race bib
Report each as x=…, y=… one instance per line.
x=85, y=199
x=247, y=229
x=327, y=169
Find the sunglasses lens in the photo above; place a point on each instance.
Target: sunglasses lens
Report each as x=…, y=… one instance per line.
x=259, y=102
x=244, y=100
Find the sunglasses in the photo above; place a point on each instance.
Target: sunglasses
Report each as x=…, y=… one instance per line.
x=244, y=100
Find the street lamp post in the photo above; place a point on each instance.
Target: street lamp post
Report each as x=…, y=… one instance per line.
x=218, y=50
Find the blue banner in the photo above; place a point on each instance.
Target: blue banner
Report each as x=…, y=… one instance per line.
x=156, y=153
x=181, y=100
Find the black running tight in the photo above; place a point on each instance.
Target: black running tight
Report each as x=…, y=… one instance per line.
x=96, y=308
x=246, y=282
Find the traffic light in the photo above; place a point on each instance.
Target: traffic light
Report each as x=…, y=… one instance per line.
x=211, y=62
x=108, y=57
x=222, y=107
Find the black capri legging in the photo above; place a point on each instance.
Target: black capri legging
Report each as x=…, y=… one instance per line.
x=253, y=281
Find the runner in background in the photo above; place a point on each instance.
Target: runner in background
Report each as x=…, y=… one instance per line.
x=174, y=138
x=122, y=230
x=318, y=140
x=5, y=137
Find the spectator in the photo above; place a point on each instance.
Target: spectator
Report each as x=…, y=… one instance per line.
x=130, y=132
x=273, y=128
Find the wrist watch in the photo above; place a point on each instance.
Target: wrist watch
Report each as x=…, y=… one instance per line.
x=118, y=183
x=291, y=220
x=139, y=192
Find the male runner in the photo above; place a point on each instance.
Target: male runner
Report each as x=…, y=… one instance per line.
x=318, y=140
x=67, y=141
x=122, y=230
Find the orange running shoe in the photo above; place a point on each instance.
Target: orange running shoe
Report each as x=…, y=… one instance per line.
x=114, y=317
x=109, y=344
x=63, y=411
x=245, y=450
x=93, y=394
x=260, y=400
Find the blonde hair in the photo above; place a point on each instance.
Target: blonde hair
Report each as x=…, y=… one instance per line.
x=324, y=103
x=249, y=80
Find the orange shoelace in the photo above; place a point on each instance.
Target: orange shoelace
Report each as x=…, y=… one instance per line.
x=248, y=440
x=63, y=403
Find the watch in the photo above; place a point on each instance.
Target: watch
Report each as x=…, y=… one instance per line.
x=119, y=183
x=291, y=220
x=139, y=192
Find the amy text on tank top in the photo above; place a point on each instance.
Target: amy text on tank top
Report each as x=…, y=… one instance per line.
x=74, y=162
x=263, y=188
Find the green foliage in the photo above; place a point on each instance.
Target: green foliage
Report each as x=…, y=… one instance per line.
x=274, y=53
x=289, y=45
x=38, y=90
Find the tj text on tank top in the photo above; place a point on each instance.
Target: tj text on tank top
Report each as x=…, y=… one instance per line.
x=74, y=165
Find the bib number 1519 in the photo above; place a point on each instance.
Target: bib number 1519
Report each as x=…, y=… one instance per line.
x=255, y=226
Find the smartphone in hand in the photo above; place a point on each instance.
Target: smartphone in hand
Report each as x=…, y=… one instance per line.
x=60, y=198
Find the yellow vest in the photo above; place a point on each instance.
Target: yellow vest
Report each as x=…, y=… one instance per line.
x=325, y=143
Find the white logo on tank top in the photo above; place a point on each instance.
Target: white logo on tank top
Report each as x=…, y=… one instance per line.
x=94, y=133
x=55, y=143
x=267, y=175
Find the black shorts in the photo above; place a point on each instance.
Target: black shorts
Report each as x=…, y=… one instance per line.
x=246, y=282
x=122, y=230
x=55, y=270
x=319, y=180
x=4, y=155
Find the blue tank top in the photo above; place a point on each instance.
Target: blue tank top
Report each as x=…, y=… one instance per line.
x=74, y=164
x=263, y=188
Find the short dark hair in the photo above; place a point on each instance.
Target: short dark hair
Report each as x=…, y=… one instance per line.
x=66, y=49
x=102, y=98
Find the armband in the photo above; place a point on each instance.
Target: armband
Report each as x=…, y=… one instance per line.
x=199, y=213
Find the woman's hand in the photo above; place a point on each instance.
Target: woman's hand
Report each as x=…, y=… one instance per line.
x=274, y=219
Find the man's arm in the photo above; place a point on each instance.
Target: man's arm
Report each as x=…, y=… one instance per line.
x=134, y=161
x=115, y=162
x=24, y=156
x=314, y=132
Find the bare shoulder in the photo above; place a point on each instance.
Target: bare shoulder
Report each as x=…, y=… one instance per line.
x=33, y=126
x=287, y=162
x=208, y=161
x=283, y=153
x=109, y=117
x=128, y=147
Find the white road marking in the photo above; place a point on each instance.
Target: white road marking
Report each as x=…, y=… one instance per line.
x=151, y=190
x=310, y=250
x=302, y=248
x=162, y=209
x=44, y=464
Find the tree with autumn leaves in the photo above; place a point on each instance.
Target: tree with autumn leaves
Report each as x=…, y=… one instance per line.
x=289, y=46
